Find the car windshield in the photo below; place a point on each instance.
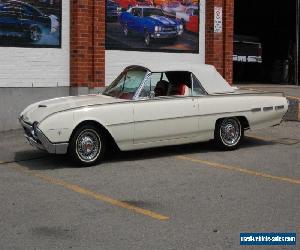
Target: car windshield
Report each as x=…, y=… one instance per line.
x=125, y=86
x=152, y=12
x=30, y=10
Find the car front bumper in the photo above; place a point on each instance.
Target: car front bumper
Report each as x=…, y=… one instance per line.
x=172, y=34
x=38, y=140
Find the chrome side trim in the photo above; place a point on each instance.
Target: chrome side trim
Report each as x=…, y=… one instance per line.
x=179, y=117
x=256, y=110
x=279, y=107
x=268, y=109
x=166, y=98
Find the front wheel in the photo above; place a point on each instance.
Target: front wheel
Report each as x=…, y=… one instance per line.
x=35, y=34
x=87, y=145
x=229, y=133
x=147, y=39
x=125, y=30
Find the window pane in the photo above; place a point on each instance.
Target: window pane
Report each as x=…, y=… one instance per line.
x=151, y=85
x=126, y=84
x=197, y=88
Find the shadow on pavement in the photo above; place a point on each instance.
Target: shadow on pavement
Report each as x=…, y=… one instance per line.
x=44, y=161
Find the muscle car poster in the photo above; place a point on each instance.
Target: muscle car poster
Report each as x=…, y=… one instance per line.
x=153, y=25
x=30, y=23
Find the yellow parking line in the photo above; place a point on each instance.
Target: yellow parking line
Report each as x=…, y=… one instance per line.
x=241, y=170
x=92, y=194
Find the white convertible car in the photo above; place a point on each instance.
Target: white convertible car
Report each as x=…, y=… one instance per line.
x=151, y=106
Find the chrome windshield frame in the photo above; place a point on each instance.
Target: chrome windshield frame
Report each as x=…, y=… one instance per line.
x=140, y=88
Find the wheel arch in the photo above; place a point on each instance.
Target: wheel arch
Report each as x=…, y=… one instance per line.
x=242, y=119
x=110, y=139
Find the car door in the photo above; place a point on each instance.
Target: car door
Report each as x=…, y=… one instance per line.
x=131, y=22
x=138, y=24
x=165, y=118
x=209, y=110
x=135, y=20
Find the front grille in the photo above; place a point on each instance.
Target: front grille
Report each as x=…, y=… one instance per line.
x=169, y=28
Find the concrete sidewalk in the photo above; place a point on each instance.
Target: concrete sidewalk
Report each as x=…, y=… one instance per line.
x=292, y=92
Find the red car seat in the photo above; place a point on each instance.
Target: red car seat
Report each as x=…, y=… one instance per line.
x=179, y=89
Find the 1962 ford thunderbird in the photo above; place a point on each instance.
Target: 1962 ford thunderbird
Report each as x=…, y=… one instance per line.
x=151, y=106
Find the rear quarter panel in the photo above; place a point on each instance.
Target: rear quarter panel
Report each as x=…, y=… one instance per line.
x=215, y=107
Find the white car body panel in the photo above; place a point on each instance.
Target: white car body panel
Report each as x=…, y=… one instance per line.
x=183, y=15
x=173, y=10
x=161, y=121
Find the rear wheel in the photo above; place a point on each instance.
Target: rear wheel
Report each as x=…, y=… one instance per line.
x=229, y=133
x=87, y=145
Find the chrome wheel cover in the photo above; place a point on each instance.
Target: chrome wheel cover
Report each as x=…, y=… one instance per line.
x=35, y=34
x=125, y=30
x=230, y=132
x=88, y=145
x=147, y=39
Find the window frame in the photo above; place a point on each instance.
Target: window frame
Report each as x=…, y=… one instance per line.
x=148, y=75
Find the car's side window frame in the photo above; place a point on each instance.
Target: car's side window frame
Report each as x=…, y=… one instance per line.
x=139, y=90
x=194, y=79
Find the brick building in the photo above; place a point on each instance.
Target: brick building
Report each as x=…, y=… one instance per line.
x=89, y=58
x=81, y=64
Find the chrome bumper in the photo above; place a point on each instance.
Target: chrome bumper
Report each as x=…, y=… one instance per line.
x=40, y=141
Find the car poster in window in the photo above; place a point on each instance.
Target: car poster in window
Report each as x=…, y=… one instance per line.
x=153, y=25
x=30, y=23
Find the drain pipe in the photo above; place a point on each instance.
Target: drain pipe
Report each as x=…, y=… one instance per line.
x=297, y=43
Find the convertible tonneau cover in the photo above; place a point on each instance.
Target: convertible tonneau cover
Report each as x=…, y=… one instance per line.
x=209, y=77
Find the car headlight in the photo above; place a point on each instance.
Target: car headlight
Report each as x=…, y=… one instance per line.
x=34, y=128
x=157, y=28
x=180, y=27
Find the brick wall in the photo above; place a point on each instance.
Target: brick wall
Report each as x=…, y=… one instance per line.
x=219, y=46
x=88, y=38
x=87, y=43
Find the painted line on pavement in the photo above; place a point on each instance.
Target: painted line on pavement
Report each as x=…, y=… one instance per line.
x=97, y=196
x=240, y=170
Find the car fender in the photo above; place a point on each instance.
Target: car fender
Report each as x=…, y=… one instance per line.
x=119, y=126
x=58, y=127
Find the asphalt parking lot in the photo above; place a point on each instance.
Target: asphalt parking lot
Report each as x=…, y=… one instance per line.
x=183, y=197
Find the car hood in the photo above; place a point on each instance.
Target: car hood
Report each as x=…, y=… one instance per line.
x=162, y=20
x=40, y=110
